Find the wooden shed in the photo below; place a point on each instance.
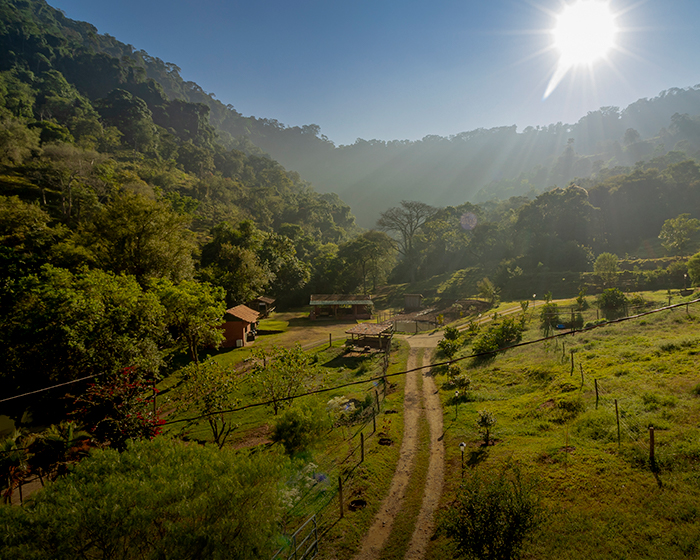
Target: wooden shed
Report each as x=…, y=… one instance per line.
x=412, y=302
x=263, y=305
x=371, y=335
x=341, y=306
x=240, y=324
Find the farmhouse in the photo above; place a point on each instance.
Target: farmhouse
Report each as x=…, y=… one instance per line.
x=239, y=326
x=341, y=306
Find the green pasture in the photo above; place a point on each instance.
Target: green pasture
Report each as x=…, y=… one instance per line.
x=603, y=499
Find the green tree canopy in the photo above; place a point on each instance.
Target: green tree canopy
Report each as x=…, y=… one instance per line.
x=157, y=499
x=675, y=233
x=142, y=237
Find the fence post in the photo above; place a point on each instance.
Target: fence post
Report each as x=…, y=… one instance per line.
x=340, y=495
x=581, y=368
x=330, y=340
x=376, y=398
x=617, y=415
x=572, y=362
x=362, y=447
x=652, y=460
x=596, y=393
x=374, y=422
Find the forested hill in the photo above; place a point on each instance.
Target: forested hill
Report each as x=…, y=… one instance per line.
x=370, y=175
x=63, y=83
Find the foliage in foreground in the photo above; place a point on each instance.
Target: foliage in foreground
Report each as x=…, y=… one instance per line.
x=492, y=519
x=158, y=499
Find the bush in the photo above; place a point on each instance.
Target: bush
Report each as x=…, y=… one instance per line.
x=549, y=318
x=448, y=347
x=613, y=303
x=299, y=428
x=492, y=520
x=451, y=333
x=507, y=333
x=486, y=420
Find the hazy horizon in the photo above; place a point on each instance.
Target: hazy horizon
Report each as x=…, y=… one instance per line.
x=404, y=71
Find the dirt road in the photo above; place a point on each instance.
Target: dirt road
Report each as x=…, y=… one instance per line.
x=416, y=403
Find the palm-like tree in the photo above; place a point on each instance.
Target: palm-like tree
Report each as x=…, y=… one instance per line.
x=14, y=464
x=55, y=448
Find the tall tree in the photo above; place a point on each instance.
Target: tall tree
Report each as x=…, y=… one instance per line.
x=406, y=220
x=194, y=311
x=143, y=237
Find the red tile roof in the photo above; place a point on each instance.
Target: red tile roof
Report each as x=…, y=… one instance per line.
x=243, y=313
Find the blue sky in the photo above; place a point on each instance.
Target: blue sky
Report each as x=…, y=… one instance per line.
x=402, y=70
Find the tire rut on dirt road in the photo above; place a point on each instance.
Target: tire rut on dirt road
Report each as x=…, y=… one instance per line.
x=392, y=505
x=383, y=521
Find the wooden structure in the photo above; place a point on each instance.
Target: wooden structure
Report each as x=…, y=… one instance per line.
x=341, y=306
x=412, y=302
x=240, y=324
x=371, y=335
x=263, y=305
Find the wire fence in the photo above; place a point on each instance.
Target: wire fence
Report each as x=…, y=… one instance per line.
x=316, y=495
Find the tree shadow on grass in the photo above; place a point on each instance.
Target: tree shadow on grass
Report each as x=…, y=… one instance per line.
x=478, y=456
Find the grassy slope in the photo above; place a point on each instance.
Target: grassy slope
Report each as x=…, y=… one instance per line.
x=603, y=501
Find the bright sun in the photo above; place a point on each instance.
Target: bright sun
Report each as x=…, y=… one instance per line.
x=585, y=32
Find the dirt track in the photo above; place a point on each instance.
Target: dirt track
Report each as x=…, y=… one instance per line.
x=416, y=403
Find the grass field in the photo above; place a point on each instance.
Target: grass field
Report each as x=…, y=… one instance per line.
x=603, y=500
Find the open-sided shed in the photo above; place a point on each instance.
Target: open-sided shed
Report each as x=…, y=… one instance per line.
x=371, y=335
x=341, y=306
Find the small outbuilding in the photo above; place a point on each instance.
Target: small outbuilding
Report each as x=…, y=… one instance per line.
x=370, y=335
x=412, y=302
x=340, y=306
x=240, y=326
x=263, y=305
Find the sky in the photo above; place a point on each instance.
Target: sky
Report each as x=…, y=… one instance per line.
x=396, y=70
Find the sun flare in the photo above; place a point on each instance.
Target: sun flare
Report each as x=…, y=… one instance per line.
x=584, y=33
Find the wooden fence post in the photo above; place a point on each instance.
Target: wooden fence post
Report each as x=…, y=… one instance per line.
x=581, y=368
x=652, y=460
x=362, y=447
x=572, y=361
x=340, y=495
x=596, y=394
x=617, y=415
x=374, y=422
x=376, y=398
x=330, y=340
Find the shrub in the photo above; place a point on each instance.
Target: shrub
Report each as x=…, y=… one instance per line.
x=549, y=318
x=613, y=303
x=300, y=427
x=507, y=333
x=451, y=333
x=492, y=520
x=486, y=420
x=448, y=347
